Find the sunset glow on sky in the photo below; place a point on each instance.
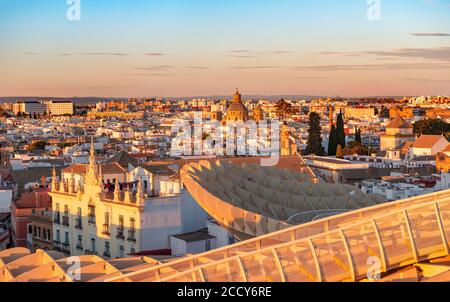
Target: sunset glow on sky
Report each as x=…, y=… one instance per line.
x=138, y=48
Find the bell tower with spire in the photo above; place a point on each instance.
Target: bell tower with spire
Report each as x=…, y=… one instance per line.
x=237, y=97
x=55, y=183
x=91, y=177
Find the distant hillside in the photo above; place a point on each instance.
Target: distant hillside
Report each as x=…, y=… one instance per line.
x=76, y=100
x=94, y=100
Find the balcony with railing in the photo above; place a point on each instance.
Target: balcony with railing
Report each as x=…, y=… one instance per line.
x=80, y=246
x=106, y=230
x=107, y=254
x=57, y=218
x=91, y=218
x=57, y=245
x=91, y=215
x=65, y=219
x=120, y=233
x=132, y=235
x=79, y=223
x=65, y=247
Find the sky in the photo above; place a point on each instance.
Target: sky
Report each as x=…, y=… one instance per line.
x=144, y=48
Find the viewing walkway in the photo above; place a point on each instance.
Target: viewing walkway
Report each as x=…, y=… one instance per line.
x=339, y=248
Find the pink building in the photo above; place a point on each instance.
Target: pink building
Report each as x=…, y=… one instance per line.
x=21, y=210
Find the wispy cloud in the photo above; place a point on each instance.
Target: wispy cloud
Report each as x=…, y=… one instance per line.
x=255, y=67
x=197, y=67
x=29, y=53
x=437, y=53
x=362, y=67
x=247, y=53
x=119, y=54
x=149, y=74
x=115, y=54
x=430, y=34
x=154, y=68
x=436, y=3
x=155, y=54
x=312, y=78
x=425, y=80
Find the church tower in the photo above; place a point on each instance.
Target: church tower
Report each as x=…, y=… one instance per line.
x=237, y=111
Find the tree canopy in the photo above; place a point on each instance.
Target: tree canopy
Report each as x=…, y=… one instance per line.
x=283, y=109
x=340, y=131
x=314, y=136
x=332, y=142
x=358, y=137
x=431, y=127
x=38, y=146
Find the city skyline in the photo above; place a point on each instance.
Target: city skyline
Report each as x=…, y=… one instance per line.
x=178, y=48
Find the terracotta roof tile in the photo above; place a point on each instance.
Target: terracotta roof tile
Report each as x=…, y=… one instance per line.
x=398, y=122
x=426, y=141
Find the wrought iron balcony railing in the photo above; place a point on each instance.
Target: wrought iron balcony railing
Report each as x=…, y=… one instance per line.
x=132, y=235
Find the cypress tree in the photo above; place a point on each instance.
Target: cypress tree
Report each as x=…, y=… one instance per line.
x=358, y=136
x=340, y=132
x=314, y=136
x=332, y=142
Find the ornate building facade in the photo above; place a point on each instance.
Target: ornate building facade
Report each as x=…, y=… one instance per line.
x=89, y=219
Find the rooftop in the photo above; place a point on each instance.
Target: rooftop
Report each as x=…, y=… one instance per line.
x=124, y=159
x=195, y=236
x=399, y=123
x=426, y=141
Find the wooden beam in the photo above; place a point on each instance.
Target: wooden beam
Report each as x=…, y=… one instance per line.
x=441, y=228
x=411, y=237
x=278, y=263
x=202, y=275
x=241, y=268
x=380, y=245
x=316, y=261
x=349, y=256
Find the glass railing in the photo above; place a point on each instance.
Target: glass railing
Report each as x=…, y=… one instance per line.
x=393, y=240
x=288, y=235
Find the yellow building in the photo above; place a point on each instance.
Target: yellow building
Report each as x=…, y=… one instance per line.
x=117, y=114
x=359, y=112
x=89, y=219
x=85, y=217
x=407, y=113
x=56, y=108
x=398, y=132
x=288, y=144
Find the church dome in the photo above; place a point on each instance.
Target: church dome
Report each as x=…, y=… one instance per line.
x=237, y=107
x=237, y=110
